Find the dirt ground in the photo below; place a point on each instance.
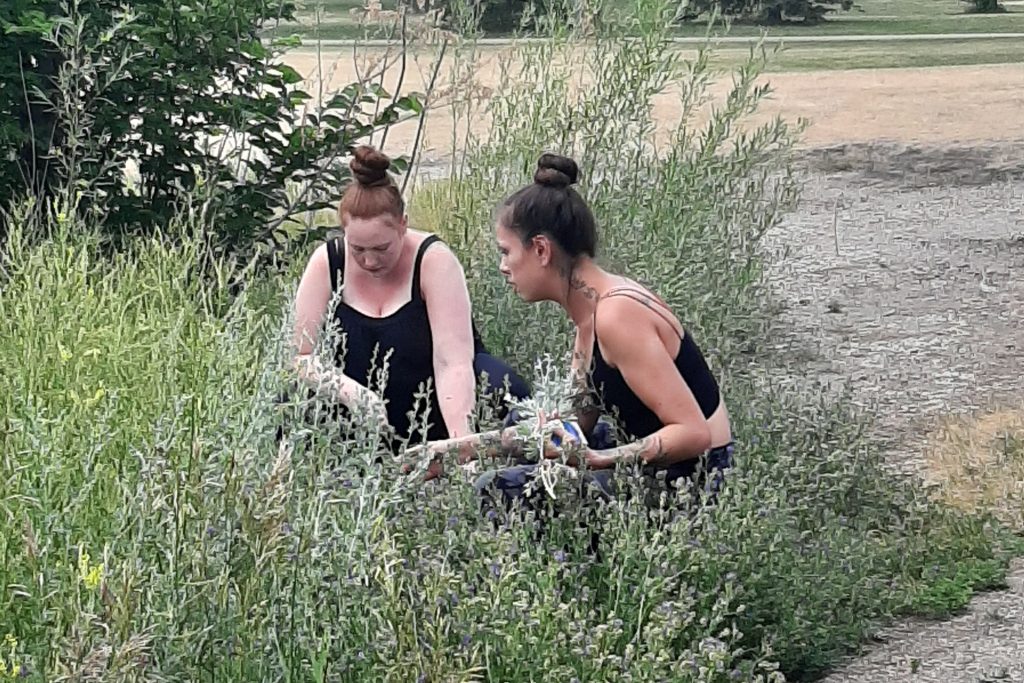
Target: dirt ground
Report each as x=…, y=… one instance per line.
x=902, y=271
x=930, y=106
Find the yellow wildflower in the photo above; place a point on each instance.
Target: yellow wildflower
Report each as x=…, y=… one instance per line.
x=96, y=398
x=10, y=669
x=90, y=574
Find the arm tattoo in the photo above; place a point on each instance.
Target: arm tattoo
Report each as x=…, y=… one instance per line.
x=649, y=446
x=653, y=446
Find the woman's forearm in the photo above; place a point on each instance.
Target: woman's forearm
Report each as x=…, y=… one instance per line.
x=669, y=445
x=485, y=445
x=456, y=392
x=340, y=386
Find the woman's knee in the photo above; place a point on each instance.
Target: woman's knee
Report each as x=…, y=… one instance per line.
x=499, y=374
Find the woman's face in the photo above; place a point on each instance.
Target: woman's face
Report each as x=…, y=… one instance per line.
x=375, y=243
x=523, y=265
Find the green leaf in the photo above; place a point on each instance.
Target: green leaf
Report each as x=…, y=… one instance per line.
x=254, y=48
x=401, y=164
x=292, y=41
x=343, y=100
x=410, y=102
x=289, y=75
x=375, y=90
x=30, y=22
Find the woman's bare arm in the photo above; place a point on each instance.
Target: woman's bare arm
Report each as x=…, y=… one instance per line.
x=311, y=303
x=447, y=297
x=630, y=342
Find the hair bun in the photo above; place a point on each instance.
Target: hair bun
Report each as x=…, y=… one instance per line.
x=370, y=167
x=556, y=171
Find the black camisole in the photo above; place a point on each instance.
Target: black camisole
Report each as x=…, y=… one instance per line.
x=617, y=399
x=402, y=341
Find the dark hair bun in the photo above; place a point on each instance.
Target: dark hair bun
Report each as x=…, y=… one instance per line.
x=370, y=167
x=556, y=171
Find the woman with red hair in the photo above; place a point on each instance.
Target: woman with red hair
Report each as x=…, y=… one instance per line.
x=404, y=303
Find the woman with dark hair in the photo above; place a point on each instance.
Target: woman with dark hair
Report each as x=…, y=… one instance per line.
x=404, y=304
x=632, y=356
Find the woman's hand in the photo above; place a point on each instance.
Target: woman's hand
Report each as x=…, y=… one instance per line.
x=427, y=451
x=434, y=470
x=465, y=448
x=565, y=438
x=374, y=406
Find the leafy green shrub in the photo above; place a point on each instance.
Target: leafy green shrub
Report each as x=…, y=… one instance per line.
x=433, y=208
x=161, y=102
x=772, y=11
x=815, y=498
x=26, y=63
x=682, y=210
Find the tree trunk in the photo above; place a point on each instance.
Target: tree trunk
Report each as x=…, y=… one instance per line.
x=772, y=15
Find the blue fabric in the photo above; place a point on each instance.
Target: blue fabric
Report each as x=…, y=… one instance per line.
x=511, y=482
x=497, y=371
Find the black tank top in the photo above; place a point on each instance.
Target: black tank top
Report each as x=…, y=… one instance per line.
x=402, y=341
x=618, y=400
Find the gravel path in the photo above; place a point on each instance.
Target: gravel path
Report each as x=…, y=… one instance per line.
x=909, y=281
x=904, y=271
x=984, y=645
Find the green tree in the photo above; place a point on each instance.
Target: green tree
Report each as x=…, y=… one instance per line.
x=772, y=11
x=26, y=63
x=987, y=6
x=187, y=94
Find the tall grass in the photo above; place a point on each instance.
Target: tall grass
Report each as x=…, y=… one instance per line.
x=171, y=509
x=155, y=528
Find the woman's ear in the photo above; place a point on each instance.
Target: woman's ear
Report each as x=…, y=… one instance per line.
x=543, y=248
